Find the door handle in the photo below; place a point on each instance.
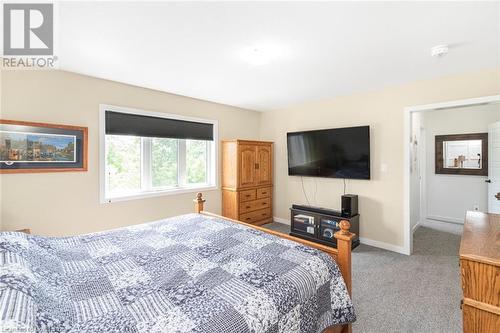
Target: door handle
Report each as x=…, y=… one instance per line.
x=488, y=180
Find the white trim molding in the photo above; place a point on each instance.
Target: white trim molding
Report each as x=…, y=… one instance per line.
x=382, y=245
x=455, y=104
x=408, y=234
x=445, y=219
x=415, y=227
x=281, y=220
x=454, y=228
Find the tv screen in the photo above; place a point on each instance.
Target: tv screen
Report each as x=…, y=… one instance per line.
x=334, y=153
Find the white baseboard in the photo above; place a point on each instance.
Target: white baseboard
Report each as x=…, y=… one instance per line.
x=281, y=220
x=454, y=228
x=382, y=245
x=415, y=227
x=445, y=219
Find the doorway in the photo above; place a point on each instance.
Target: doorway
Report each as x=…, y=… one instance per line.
x=432, y=198
x=494, y=168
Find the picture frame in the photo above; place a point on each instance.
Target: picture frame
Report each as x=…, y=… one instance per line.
x=32, y=147
x=458, y=165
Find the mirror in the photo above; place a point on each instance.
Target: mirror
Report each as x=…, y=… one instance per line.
x=462, y=154
x=465, y=154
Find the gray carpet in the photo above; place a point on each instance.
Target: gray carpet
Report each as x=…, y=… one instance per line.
x=281, y=227
x=397, y=293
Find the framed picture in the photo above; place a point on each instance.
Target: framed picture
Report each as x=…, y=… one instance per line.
x=37, y=147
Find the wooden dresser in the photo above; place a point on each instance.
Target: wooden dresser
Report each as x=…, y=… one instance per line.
x=480, y=272
x=247, y=180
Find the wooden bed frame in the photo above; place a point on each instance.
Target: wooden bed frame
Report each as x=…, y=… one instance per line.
x=341, y=255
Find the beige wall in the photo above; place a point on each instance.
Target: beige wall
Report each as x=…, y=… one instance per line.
x=381, y=198
x=68, y=203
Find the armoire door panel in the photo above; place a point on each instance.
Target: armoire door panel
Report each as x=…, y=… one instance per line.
x=263, y=170
x=247, y=159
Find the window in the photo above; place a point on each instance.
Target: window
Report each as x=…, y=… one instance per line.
x=150, y=154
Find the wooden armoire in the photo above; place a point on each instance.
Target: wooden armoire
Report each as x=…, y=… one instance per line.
x=247, y=181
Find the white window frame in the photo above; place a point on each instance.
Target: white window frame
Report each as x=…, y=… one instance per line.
x=212, y=158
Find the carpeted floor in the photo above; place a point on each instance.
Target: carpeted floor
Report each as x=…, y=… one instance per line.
x=397, y=293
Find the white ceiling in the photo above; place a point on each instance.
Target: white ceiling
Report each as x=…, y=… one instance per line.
x=320, y=49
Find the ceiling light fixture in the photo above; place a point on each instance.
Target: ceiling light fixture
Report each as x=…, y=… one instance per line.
x=439, y=50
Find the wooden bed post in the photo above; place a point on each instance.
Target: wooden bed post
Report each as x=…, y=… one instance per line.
x=198, y=202
x=344, y=245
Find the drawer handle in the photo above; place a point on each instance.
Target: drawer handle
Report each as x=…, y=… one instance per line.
x=264, y=203
x=248, y=195
x=264, y=192
x=248, y=207
x=264, y=214
x=248, y=218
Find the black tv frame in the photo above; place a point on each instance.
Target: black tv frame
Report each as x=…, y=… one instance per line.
x=329, y=129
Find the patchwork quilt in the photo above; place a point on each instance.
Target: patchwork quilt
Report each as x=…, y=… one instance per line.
x=190, y=273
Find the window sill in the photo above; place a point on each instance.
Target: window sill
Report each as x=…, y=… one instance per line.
x=159, y=193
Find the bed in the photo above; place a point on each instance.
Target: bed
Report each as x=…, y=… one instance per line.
x=192, y=273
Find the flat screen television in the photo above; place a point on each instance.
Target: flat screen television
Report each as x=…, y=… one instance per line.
x=332, y=153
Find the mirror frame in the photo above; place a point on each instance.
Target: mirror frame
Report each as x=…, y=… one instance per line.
x=439, y=165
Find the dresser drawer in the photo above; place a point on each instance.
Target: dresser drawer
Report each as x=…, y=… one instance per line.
x=264, y=192
x=255, y=216
x=250, y=206
x=247, y=195
x=476, y=320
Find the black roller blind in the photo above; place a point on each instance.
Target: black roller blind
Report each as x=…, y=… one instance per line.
x=137, y=125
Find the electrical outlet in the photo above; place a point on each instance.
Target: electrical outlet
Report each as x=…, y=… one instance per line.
x=476, y=207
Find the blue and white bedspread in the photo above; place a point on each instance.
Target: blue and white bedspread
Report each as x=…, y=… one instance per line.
x=191, y=273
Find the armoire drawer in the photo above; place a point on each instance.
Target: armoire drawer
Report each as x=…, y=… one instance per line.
x=264, y=192
x=255, y=216
x=250, y=206
x=247, y=195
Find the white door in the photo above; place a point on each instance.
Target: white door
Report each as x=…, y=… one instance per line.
x=494, y=168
